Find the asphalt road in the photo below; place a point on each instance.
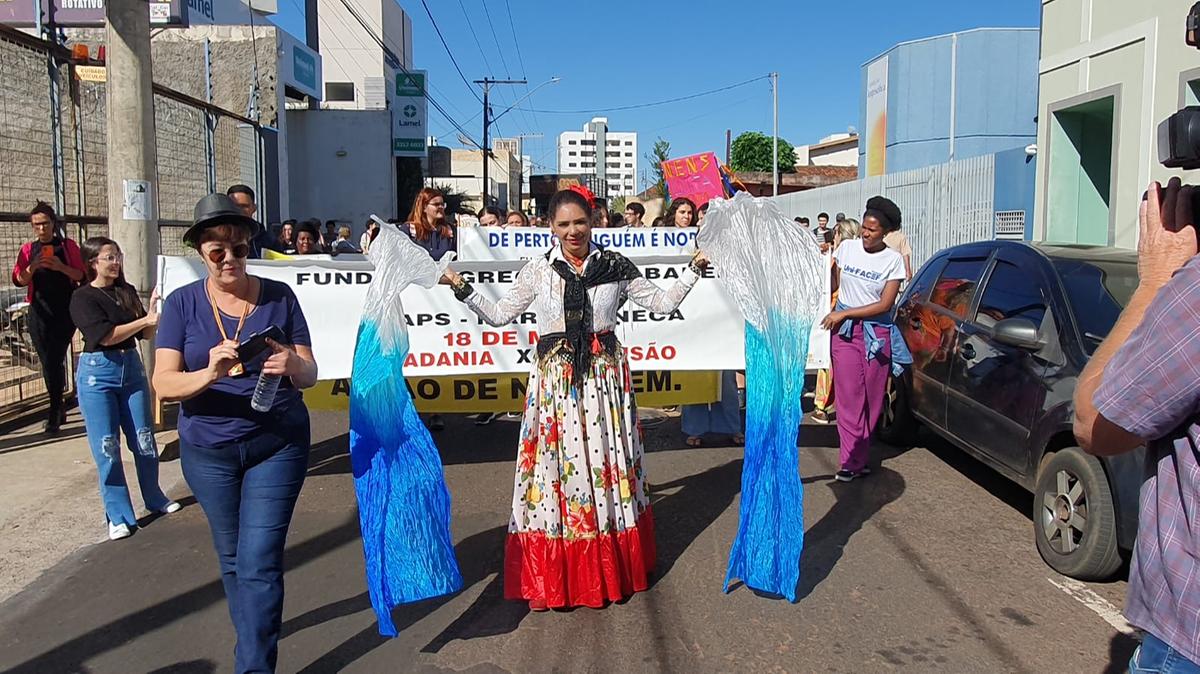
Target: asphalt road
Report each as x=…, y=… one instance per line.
x=928, y=564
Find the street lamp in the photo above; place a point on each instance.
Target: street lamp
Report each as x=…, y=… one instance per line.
x=552, y=80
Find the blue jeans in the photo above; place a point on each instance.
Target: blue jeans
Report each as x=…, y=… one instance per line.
x=1154, y=656
x=114, y=396
x=248, y=490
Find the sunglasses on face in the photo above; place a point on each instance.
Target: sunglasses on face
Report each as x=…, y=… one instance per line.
x=217, y=254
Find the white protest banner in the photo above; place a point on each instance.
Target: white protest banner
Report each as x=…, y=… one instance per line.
x=446, y=338
x=522, y=243
x=636, y=243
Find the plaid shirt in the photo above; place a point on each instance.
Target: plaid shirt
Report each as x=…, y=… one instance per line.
x=1152, y=390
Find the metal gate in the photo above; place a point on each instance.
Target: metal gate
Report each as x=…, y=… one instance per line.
x=943, y=205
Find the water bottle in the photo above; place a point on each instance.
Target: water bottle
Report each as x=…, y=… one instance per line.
x=264, y=392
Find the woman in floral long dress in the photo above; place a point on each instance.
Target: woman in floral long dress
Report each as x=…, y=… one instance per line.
x=581, y=532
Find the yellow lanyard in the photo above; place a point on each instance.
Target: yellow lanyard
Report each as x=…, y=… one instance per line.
x=236, y=369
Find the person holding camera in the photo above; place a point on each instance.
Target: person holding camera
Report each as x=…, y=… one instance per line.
x=114, y=395
x=243, y=445
x=50, y=267
x=1140, y=387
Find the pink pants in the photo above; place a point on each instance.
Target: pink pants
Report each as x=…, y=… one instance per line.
x=861, y=385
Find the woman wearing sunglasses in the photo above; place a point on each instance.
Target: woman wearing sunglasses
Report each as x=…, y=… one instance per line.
x=114, y=395
x=244, y=466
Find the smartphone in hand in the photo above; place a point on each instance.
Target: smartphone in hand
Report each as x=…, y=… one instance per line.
x=253, y=346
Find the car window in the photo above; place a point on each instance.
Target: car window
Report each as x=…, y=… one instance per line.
x=1097, y=293
x=925, y=278
x=957, y=284
x=1011, y=293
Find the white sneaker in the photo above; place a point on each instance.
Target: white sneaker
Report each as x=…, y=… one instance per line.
x=171, y=507
x=118, y=531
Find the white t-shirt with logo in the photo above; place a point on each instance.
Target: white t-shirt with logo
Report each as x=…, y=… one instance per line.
x=863, y=274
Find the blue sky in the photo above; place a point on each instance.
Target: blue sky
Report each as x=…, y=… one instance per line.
x=621, y=52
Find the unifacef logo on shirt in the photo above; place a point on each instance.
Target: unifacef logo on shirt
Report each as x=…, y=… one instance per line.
x=862, y=273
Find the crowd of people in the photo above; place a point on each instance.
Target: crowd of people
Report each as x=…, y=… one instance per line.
x=244, y=452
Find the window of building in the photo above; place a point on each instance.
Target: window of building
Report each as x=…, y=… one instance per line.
x=339, y=91
x=629, y=143
x=587, y=142
x=628, y=165
x=589, y=153
x=571, y=142
x=572, y=164
x=588, y=164
x=628, y=154
x=1191, y=92
x=613, y=164
x=572, y=153
x=1079, y=188
x=958, y=283
x=613, y=143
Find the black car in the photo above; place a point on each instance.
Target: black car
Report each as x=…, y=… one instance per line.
x=999, y=333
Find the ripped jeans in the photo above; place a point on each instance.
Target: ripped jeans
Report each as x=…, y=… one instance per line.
x=114, y=396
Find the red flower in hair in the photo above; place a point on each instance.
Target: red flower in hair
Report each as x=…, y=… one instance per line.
x=584, y=192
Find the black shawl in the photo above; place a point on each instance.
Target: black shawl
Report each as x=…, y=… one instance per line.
x=607, y=267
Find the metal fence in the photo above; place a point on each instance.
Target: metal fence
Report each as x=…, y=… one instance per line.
x=943, y=205
x=53, y=147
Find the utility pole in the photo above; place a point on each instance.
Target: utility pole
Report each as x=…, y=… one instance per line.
x=487, y=83
x=775, y=135
x=132, y=172
x=312, y=40
x=728, y=146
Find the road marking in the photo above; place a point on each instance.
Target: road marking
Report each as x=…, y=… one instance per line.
x=1098, y=605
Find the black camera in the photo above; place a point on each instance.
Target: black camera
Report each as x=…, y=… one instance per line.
x=1179, y=134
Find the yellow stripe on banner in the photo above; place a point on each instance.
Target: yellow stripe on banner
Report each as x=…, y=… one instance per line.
x=471, y=394
x=268, y=254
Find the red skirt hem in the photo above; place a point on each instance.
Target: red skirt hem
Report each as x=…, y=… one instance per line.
x=590, y=572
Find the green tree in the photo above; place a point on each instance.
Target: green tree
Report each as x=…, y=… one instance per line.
x=752, y=152
x=659, y=154
x=454, y=200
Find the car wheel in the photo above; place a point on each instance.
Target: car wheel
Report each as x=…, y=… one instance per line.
x=897, y=426
x=1074, y=519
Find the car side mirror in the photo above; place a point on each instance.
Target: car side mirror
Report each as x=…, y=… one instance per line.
x=1018, y=332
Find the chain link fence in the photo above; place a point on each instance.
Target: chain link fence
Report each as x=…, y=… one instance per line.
x=200, y=148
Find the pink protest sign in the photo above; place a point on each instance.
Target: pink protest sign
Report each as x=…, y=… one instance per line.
x=697, y=177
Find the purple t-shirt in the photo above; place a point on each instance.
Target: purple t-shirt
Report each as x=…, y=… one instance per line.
x=1152, y=390
x=222, y=413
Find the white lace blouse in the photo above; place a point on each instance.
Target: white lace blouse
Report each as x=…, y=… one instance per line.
x=539, y=285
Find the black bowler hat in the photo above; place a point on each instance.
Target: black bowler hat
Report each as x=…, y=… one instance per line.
x=217, y=209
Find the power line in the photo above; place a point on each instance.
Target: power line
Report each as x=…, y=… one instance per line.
x=448, y=52
x=378, y=31
x=649, y=105
x=521, y=60
x=492, y=27
x=475, y=36
x=516, y=41
x=400, y=66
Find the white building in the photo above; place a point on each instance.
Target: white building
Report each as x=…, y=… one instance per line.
x=615, y=174
x=515, y=147
x=357, y=71
x=839, y=149
x=1110, y=72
